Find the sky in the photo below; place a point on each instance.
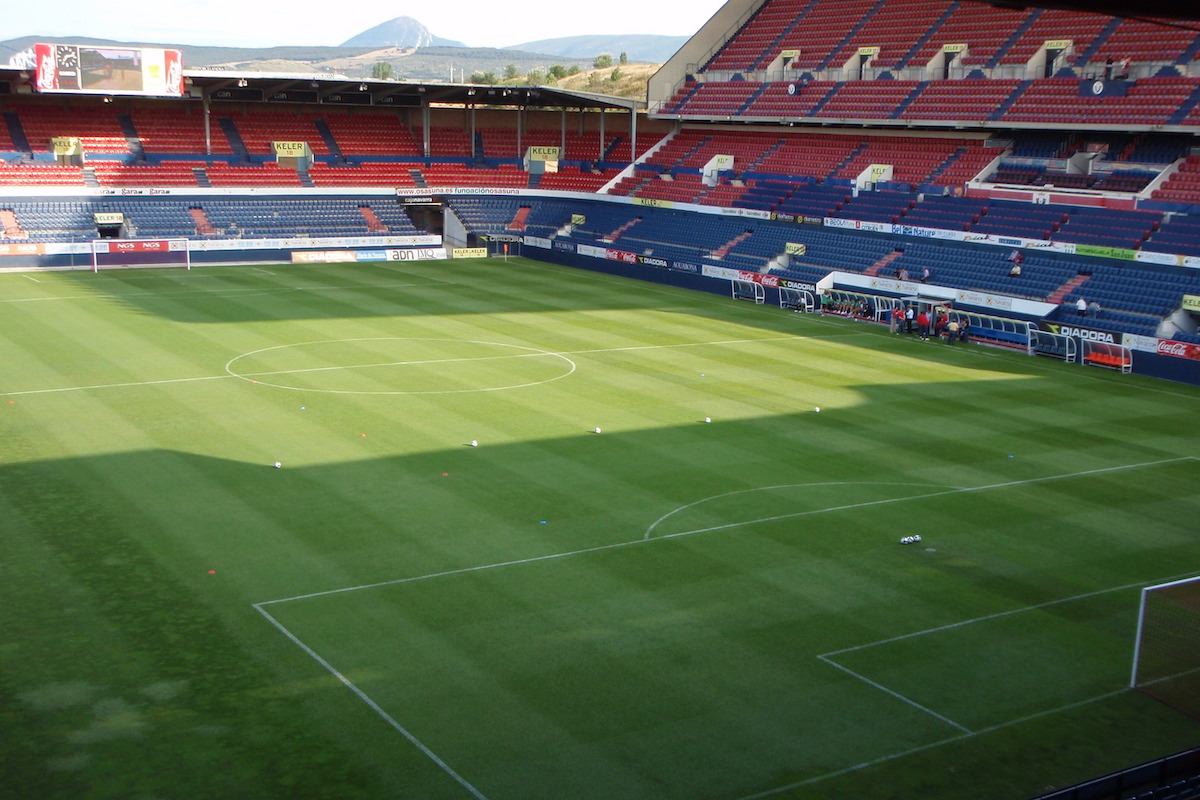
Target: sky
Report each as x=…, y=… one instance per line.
x=254, y=23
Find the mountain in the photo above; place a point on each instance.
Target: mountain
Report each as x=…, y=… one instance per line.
x=399, y=32
x=639, y=47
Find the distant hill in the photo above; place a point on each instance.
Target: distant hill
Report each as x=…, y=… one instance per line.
x=399, y=32
x=430, y=62
x=638, y=47
x=199, y=55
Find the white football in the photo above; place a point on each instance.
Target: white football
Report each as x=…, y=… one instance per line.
x=917, y=538
x=474, y=443
x=817, y=409
x=597, y=430
x=278, y=465
x=708, y=419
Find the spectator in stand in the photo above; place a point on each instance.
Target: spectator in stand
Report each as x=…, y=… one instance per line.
x=902, y=274
x=1094, y=308
x=1016, y=258
x=923, y=325
x=925, y=275
x=1123, y=75
x=1081, y=307
x=1108, y=68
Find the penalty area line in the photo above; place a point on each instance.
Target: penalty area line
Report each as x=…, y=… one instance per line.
x=388, y=718
x=896, y=695
x=943, y=493
x=683, y=534
x=932, y=745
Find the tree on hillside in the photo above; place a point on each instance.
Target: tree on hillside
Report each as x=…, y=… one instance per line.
x=623, y=59
x=486, y=78
x=535, y=77
x=603, y=61
x=383, y=71
x=510, y=72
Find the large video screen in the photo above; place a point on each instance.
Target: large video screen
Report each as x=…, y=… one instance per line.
x=89, y=69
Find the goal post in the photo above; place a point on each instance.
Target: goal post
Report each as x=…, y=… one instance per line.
x=1166, y=658
x=129, y=253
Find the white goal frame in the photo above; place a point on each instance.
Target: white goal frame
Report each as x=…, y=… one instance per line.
x=1141, y=621
x=140, y=253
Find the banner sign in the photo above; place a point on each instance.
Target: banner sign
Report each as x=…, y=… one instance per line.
x=417, y=254
x=1087, y=334
x=66, y=145
x=1191, y=302
x=291, y=149
x=23, y=249
x=578, y=219
x=322, y=256
x=469, y=252
x=1170, y=347
x=1102, y=88
x=795, y=248
x=650, y=201
x=140, y=246
x=108, y=218
x=1106, y=252
x=541, y=153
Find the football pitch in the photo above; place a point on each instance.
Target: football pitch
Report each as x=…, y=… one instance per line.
x=540, y=533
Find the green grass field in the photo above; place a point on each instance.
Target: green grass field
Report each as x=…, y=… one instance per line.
x=668, y=609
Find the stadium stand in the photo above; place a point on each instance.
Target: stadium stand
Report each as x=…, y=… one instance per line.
x=1111, y=170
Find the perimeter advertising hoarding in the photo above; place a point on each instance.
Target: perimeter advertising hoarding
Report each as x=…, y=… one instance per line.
x=93, y=69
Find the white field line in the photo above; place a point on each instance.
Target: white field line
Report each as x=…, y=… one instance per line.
x=432, y=756
x=241, y=291
x=922, y=748
x=828, y=658
x=562, y=354
x=966, y=733
x=1163, y=679
x=896, y=695
x=942, y=493
x=682, y=534
x=30, y=277
x=669, y=514
x=114, y=385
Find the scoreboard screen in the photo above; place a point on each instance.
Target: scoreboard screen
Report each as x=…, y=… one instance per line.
x=92, y=69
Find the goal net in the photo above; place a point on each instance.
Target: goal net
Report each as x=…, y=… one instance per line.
x=1166, y=656
x=126, y=253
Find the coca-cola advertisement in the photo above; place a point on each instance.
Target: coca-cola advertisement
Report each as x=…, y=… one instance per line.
x=1170, y=347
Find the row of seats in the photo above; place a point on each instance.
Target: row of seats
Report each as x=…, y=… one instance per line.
x=1148, y=101
x=1134, y=298
x=179, y=129
x=831, y=32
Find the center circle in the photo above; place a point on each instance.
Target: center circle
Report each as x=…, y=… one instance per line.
x=398, y=365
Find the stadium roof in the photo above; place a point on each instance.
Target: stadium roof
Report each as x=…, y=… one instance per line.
x=243, y=86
